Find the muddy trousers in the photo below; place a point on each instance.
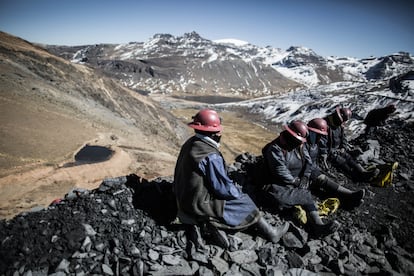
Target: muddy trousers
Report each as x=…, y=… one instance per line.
x=285, y=197
x=347, y=164
x=349, y=198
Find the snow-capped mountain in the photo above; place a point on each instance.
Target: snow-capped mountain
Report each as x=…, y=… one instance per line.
x=306, y=67
x=192, y=64
x=187, y=64
x=287, y=84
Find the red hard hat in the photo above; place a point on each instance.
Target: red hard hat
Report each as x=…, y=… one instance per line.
x=298, y=130
x=56, y=201
x=344, y=114
x=318, y=125
x=206, y=120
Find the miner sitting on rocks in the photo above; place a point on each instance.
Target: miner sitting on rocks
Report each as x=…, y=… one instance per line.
x=206, y=196
x=318, y=127
x=377, y=117
x=335, y=148
x=288, y=169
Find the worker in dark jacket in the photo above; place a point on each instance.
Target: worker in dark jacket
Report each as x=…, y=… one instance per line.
x=318, y=128
x=203, y=188
x=378, y=116
x=289, y=168
x=335, y=148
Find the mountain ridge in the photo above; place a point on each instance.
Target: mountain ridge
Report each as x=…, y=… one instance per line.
x=190, y=64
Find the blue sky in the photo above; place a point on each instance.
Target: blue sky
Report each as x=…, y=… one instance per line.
x=355, y=28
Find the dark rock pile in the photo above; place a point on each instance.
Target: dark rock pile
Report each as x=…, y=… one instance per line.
x=127, y=226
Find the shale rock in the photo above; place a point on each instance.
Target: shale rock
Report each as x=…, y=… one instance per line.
x=128, y=226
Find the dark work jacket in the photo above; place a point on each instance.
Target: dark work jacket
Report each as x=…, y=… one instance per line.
x=335, y=140
x=284, y=166
x=192, y=195
x=313, y=150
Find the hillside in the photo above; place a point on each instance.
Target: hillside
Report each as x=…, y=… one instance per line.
x=108, y=216
x=50, y=108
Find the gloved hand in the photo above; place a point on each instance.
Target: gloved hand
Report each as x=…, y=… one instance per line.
x=296, y=182
x=324, y=162
x=304, y=183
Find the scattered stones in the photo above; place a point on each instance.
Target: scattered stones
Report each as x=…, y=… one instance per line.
x=138, y=235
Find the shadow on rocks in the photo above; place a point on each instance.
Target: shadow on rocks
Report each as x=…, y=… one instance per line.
x=155, y=197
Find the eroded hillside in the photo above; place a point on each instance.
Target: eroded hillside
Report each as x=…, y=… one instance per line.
x=49, y=108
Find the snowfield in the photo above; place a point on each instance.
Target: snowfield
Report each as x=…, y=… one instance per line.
x=320, y=101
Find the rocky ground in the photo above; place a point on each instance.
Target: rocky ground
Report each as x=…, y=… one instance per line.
x=110, y=222
x=122, y=228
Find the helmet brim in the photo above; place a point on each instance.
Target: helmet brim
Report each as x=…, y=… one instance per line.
x=294, y=134
x=318, y=131
x=205, y=128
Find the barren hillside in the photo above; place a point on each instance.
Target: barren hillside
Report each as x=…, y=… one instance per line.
x=50, y=108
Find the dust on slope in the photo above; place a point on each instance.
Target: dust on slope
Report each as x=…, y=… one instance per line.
x=49, y=108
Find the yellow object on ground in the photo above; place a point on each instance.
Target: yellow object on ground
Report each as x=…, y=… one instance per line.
x=300, y=214
x=325, y=208
x=386, y=175
x=328, y=206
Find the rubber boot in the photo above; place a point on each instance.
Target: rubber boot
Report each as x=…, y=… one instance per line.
x=365, y=175
x=269, y=232
x=320, y=229
x=349, y=199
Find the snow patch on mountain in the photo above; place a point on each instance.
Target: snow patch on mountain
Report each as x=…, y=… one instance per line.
x=236, y=42
x=232, y=66
x=303, y=74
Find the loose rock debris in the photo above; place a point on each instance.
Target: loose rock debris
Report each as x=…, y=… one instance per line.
x=127, y=226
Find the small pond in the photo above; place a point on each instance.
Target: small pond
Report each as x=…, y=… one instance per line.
x=93, y=154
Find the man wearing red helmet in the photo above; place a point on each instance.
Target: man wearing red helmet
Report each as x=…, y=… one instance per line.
x=205, y=192
x=288, y=168
x=334, y=147
x=318, y=128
